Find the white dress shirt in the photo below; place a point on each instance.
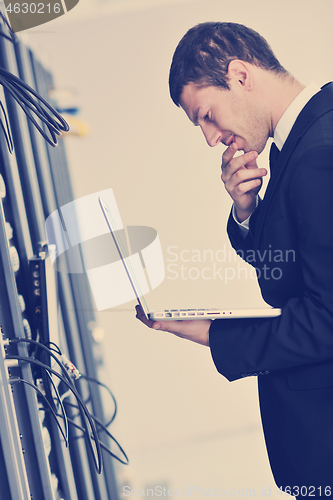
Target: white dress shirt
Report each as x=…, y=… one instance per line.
x=281, y=133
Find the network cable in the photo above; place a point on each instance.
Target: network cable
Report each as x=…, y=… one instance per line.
x=5, y=128
x=104, y=428
x=103, y=446
x=54, y=348
x=32, y=103
x=12, y=37
x=58, y=398
x=69, y=371
x=85, y=415
x=44, y=348
x=108, y=433
x=96, y=381
x=40, y=393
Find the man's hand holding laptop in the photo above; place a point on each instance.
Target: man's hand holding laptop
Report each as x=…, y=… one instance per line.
x=193, y=324
x=197, y=331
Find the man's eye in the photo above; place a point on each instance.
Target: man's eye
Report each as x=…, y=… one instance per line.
x=206, y=118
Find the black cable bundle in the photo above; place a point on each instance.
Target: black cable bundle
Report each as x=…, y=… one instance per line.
x=88, y=420
x=92, y=437
x=33, y=103
x=5, y=128
x=11, y=37
x=29, y=100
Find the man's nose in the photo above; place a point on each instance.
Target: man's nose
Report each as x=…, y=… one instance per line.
x=212, y=135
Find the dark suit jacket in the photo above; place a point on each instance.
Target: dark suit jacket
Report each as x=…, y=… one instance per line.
x=290, y=242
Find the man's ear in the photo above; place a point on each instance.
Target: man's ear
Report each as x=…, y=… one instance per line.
x=239, y=74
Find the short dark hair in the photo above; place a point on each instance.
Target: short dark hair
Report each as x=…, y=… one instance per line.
x=204, y=53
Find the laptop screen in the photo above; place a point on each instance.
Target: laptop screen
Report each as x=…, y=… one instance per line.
x=123, y=256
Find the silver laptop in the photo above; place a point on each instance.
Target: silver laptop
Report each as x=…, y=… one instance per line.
x=175, y=314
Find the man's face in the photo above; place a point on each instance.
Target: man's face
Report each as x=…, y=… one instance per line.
x=226, y=116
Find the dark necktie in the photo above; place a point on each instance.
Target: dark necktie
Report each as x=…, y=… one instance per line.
x=273, y=155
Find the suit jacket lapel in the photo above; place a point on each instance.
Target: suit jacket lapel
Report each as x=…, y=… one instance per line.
x=319, y=104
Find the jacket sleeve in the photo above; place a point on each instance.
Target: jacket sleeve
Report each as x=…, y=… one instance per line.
x=303, y=334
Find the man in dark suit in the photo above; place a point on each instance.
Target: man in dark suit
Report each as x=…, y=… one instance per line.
x=228, y=81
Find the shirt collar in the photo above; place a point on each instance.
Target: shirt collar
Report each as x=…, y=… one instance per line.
x=288, y=118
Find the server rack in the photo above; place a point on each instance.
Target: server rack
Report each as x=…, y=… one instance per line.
x=35, y=462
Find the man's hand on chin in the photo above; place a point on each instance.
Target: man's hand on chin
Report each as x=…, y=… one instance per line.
x=195, y=330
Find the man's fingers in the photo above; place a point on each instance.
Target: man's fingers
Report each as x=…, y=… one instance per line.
x=229, y=167
x=167, y=326
x=243, y=176
x=229, y=153
x=142, y=317
x=197, y=330
x=245, y=187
